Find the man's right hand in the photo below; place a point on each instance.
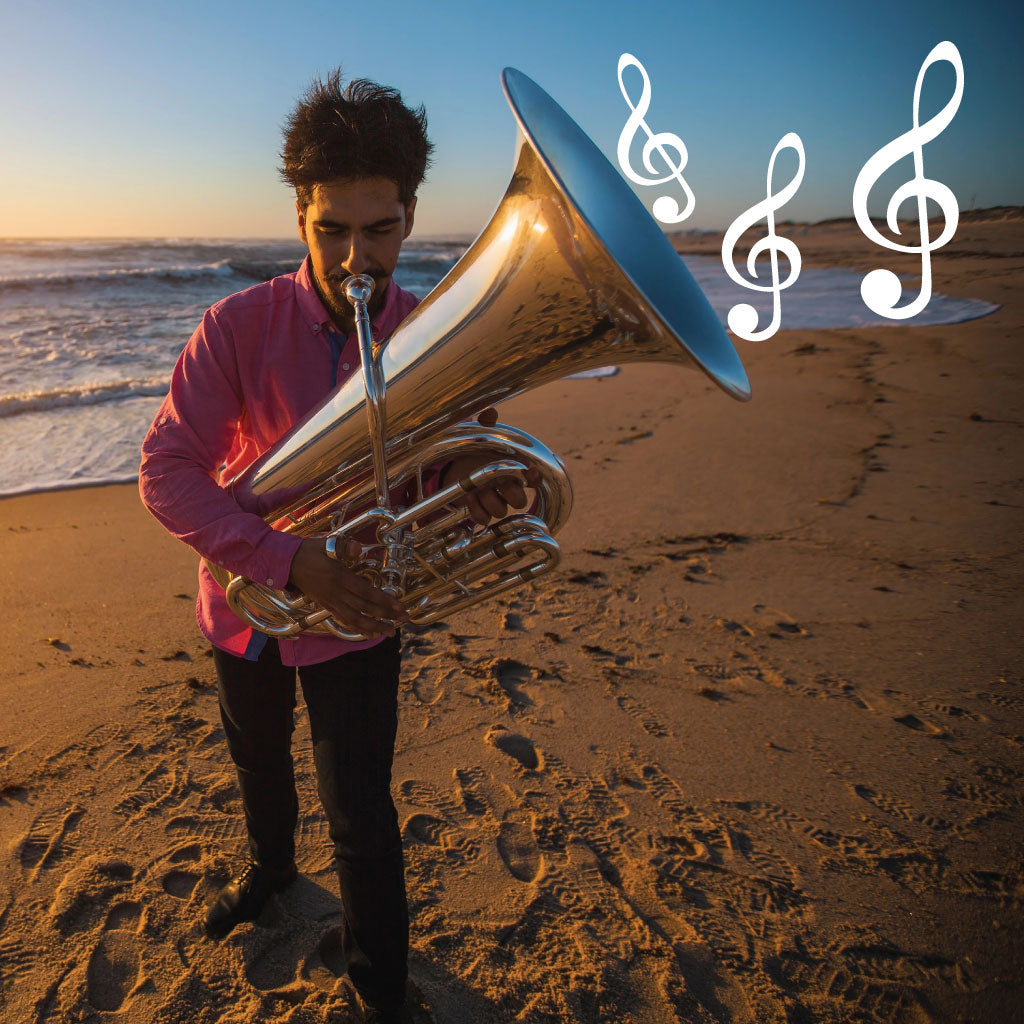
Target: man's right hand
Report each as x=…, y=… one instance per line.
x=355, y=602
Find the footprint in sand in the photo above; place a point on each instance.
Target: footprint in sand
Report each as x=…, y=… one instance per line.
x=427, y=685
x=1005, y=701
x=113, y=971
x=961, y=789
x=643, y=715
x=273, y=970
x=424, y=794
x=123, y=917
x=193, y=851
x=164, y=785
x=603, y=654
x=518, y=849
x=510, y=675
x=898, y=808
x=425, y=828
x=47, y=839
x=434, y=832
x=732, y=626
x=471, y=785
x=592, y=578
x=519, y=748
x=84, y=894
x=216, y=829
x=919, y=725
x=954, y=711
x=179, y=884
x=779, y=624
x=512, y=622
x=16, y=960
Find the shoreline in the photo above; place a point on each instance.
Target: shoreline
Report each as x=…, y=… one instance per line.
x=76, y=486
x=90, y=398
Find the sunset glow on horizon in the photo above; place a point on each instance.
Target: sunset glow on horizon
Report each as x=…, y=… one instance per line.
x=112, y=135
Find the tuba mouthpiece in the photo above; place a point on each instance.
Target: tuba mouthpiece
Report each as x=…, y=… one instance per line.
x=358, y=288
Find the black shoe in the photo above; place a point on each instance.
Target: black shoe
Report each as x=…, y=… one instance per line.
x=245, y=896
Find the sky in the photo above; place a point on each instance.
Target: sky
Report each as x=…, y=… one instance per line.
x=126, y=118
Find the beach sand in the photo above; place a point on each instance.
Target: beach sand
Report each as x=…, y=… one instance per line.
x=753, y=754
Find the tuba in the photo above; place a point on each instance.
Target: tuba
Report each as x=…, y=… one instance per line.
x=570, y=274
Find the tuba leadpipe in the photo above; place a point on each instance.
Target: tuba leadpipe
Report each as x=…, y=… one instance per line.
x=571, y=273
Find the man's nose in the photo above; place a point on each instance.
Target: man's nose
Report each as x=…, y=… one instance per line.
x=355, y=260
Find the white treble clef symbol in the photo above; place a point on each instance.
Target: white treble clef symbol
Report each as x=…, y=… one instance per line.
x=881, y=289
x=742, y=316
x=665, y=208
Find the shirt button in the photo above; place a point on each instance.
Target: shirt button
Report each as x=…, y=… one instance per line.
x=163, y=419
x=316, y=328
x=270, y=583
x=344, y=366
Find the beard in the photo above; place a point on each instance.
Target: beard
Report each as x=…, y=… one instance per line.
x=332, y=295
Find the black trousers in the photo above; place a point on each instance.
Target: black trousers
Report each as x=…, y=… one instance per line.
x=353, y=717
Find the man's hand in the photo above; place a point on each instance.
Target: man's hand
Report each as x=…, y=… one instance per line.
x=492, y=502
x=355, y=602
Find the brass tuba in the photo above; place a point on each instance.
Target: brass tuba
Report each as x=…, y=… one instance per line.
x=570, y=274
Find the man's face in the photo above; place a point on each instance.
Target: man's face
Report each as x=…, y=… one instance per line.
x=354, y=226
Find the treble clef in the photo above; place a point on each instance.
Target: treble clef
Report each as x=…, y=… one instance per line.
x=742, y=316
x=881, y=289
x=665, y=208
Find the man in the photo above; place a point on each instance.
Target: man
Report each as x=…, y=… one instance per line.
x=261, y=360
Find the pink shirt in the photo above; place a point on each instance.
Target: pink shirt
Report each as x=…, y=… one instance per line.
x=257, y=364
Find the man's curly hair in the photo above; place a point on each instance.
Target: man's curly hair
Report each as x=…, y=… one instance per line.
x=361, y=131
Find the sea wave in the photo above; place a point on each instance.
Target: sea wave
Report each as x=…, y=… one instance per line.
x=91, y=393
x=448, y=254
x=250, y=270
x=244, y=271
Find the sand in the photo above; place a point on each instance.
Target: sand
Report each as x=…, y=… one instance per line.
x=754, y=753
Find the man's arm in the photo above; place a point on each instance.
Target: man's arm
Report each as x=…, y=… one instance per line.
x=189, y=439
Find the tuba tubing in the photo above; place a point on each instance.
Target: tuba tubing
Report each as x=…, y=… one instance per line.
x=571, y=273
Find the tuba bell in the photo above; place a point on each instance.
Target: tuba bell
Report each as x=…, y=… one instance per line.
x=570, y=274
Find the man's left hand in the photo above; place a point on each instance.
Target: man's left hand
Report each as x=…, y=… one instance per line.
x=493, y=501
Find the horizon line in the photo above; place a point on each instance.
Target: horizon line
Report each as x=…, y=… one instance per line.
x=972, y=213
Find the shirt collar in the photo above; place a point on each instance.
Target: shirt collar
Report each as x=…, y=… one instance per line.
x=316, y=313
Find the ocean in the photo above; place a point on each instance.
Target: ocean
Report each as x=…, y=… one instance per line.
x=90, y=331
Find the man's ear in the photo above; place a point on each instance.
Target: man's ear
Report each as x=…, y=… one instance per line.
x=410, y=216
x=301, y=211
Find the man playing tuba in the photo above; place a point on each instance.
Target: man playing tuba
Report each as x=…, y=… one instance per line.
x=257, y=364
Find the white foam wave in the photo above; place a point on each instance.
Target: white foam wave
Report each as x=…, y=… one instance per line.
x=436, y=256
x=183, y=270
x=90, y=393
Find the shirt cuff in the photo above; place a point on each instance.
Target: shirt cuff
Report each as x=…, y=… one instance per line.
x=274, y=562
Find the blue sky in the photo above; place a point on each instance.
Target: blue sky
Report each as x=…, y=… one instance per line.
x=138, y=119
